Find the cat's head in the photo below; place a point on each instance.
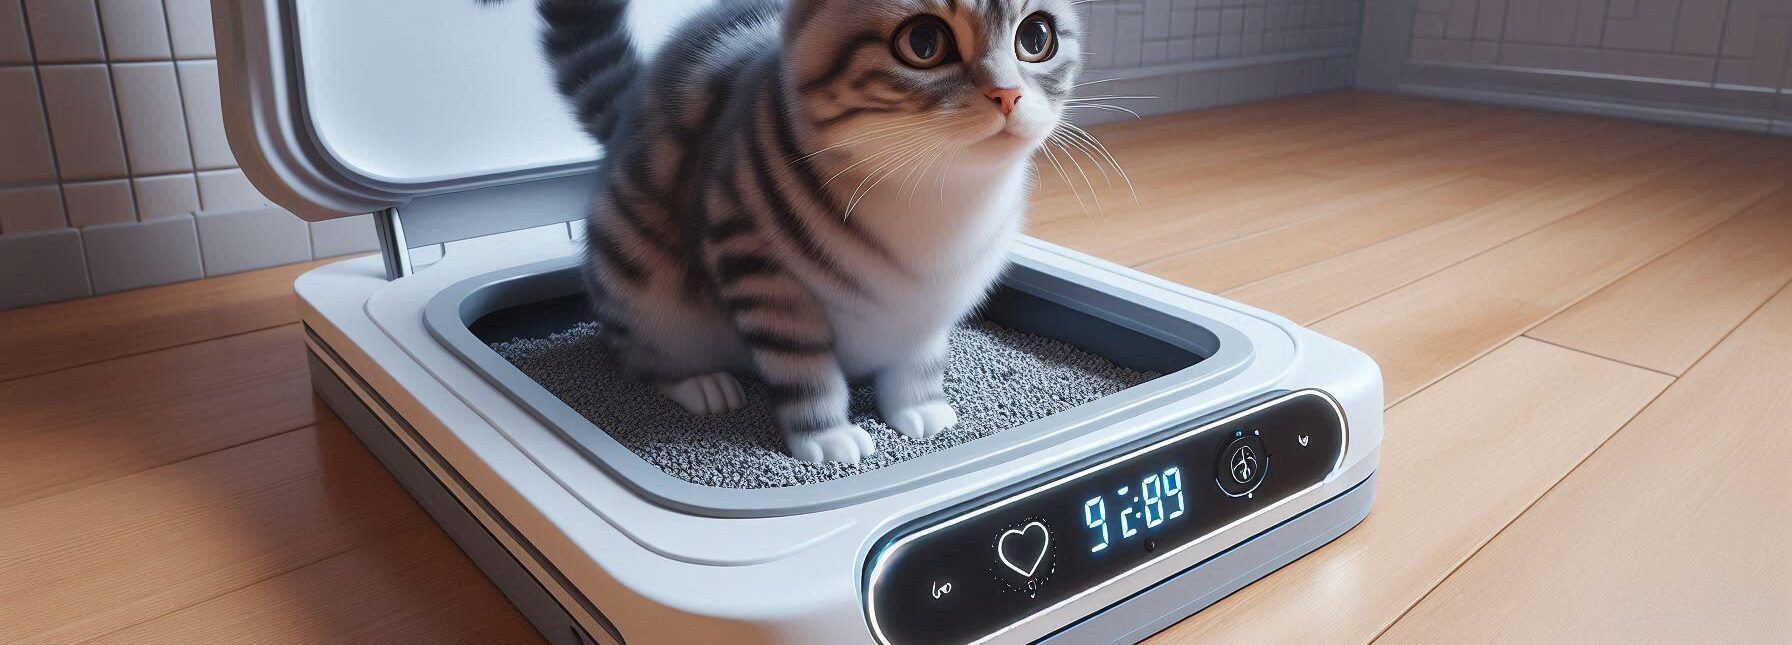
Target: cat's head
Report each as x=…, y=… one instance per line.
x=984, y=79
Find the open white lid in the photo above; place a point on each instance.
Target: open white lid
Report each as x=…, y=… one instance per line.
x=341, y=107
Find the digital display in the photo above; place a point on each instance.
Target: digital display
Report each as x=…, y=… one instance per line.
x=1157, y=499
x=976, y=570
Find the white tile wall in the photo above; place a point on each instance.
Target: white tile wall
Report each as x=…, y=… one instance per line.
x=130, y=148
x=155, y=124
x=135, y=255
x=52, y=261
x=31, y=209
x=225, y=190
x=205, y=117
x=344, y=236
x=15, y=41
x=93, y=203
x=1178, y=50
x=84, y=120
x=190, y=24
x=1737, y=42
x=24, y=134
x=166, y=195
x=134, y=30
x=65, y=31
x=237, y=241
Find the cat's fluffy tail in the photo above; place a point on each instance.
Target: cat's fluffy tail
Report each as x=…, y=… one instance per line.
x=596, y=66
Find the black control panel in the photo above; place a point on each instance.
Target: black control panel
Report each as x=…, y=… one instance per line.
x=968, y=572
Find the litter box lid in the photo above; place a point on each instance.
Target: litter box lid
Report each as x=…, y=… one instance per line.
x=341, y=107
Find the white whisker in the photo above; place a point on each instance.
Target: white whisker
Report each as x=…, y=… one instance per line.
x=1091, y=140
x=1099, y=106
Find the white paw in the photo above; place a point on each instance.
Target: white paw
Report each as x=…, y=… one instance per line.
x=922, y=420
x=846, y=443
x=713, y=393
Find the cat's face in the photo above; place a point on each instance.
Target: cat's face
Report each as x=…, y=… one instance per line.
x=985, y=80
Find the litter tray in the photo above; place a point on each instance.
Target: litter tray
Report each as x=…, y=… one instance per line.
x=1162, y=355
x=1255, y=443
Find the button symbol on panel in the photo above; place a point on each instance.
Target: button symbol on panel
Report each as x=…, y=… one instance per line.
x=1024, y=557
x=1244, y=465
x=1303, y=439
x=1025, y=548
x=941, y=590
x=1241, y=465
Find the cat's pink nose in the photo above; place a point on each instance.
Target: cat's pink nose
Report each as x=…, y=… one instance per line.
x=1006, y=97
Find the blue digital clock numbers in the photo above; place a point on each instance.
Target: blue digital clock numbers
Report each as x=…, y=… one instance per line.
x=1154, y=490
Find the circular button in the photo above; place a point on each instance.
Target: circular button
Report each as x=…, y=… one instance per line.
x=1024, y=556
x=1242, y=463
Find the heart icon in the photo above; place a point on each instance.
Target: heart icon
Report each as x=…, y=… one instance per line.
x=1029, y=543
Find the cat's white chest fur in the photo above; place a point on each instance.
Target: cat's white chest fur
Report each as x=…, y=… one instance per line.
x=953, y=238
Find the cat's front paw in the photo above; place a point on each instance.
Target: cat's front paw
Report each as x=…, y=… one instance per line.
x=713, y=393
x=921, y=420
x=845, y=443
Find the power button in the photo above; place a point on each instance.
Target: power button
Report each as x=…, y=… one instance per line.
x=1242, y=463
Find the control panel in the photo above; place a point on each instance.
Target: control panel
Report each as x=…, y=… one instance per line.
x=978, y=569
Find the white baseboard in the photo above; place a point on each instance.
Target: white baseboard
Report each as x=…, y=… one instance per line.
x=1604, y=107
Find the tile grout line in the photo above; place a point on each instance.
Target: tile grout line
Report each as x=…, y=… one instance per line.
x=118, y=116
x=1783, y=290
x=10, y=379
x=43, y=103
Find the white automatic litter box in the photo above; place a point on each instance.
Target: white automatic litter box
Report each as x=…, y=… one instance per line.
x=1248, y=443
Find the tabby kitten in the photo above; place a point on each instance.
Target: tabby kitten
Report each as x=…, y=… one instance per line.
x=809, y=193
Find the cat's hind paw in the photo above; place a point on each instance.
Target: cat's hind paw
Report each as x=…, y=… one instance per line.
x=712, y=393
x=922, y=420
x=844, y=443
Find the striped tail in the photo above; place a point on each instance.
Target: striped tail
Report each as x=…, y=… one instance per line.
x=595, y=63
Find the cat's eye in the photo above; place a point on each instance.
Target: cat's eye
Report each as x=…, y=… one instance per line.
x=924, y=42
x=1037, y=39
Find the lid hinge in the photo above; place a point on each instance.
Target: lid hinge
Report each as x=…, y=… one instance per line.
x=393, y=249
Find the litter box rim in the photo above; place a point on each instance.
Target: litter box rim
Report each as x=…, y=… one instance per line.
x=1033, y=269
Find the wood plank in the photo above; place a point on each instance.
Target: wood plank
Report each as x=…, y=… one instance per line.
x=57, y=336
x=1425, y=330
x=91, y=561
x=1254, y=257
x=1489, y=184
x=415, y=587
x=82, y=425
x=1180, y=211
x=1674, y=532
x=1459, y=460
x=1313, y=292
x=1237, y=139
x=1667, y=314
x=1229, y=157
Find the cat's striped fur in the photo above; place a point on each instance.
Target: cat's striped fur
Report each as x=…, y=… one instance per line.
x=750, y=219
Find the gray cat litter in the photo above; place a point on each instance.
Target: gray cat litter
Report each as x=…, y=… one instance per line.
x=996, y=378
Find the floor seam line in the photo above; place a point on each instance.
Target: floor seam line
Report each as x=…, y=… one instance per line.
x=6, y=380
x=1783, y=290
x=1522, y=512
x=1534, y=231
x=1527, y=335
x=239, y=444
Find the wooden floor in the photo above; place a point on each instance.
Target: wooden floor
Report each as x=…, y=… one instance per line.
x=1585, y=327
